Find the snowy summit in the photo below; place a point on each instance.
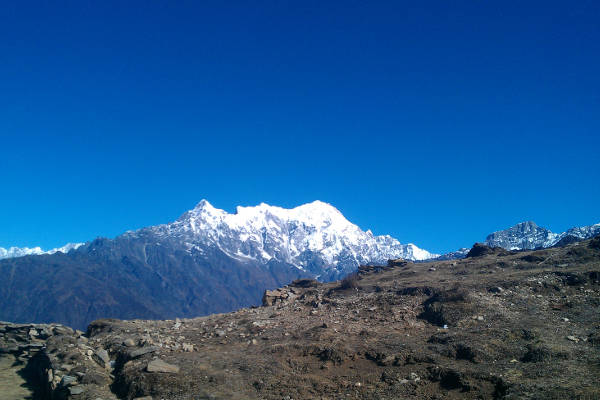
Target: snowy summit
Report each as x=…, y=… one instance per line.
x=314, y=237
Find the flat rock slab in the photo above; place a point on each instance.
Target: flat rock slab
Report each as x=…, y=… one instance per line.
x=161, y=366
x=140, y=352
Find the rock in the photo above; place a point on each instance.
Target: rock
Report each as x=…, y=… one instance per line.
x=62, y=330
x=143, y=398
x=496, y=289
x=573, y=338
x=159, y=365
x=431, y=269
x=220, y=333
x=414, y=377
x=68, y=380
x=94, y=378
x=271, y=297
x=140, y=352
x=398, y=262
x=304, y=283
x=75, y=390
x=188, y=347
x=480, y=249
x=102, y=358
x=129, y=342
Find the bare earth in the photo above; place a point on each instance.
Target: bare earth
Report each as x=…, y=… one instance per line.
x=12, y=385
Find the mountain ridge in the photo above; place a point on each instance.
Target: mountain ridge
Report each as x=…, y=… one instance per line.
x=207, y=261
x=15, y=251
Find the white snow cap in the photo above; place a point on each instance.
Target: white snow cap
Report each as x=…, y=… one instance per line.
x=12, y=252
x=295, y=235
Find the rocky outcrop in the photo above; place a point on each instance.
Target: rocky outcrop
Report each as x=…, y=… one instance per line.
x=480, y=250
x=59, y=362
x=278, y=296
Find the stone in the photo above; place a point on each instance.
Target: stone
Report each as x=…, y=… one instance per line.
x=188, y=347
x=220, y=333
x=271, y=297
x=129, y=342
x=140, y=352
x=414, y=377
x=572, y=338
x=102, y=358
x=62, y=330
x=159, y=365
x=68, y=380
x=75, y=390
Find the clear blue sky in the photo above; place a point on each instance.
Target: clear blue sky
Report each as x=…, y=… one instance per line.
x=436, y=122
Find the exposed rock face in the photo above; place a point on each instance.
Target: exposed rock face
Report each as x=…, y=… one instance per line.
x=59, y=362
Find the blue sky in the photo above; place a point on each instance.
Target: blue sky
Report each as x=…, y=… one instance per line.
x=436, y=122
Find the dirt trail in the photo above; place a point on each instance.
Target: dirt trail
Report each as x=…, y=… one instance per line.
x=12, y=385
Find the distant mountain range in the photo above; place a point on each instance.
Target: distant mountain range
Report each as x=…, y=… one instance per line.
x=206, y=261
x=529, y=236
x=12, y=252
x=210, y=261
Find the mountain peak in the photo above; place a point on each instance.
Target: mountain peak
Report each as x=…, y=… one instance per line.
x=315, y=237
x=203, y=204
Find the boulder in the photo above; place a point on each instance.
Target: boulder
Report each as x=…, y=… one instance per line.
x=272, y=297
x=102, y=358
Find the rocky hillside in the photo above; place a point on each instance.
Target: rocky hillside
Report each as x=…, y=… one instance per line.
x=495, y=325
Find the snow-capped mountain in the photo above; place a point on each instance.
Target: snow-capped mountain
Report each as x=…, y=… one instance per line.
x=314, y=237
x=528, y=236
x=26, y=251
x=207, y=261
